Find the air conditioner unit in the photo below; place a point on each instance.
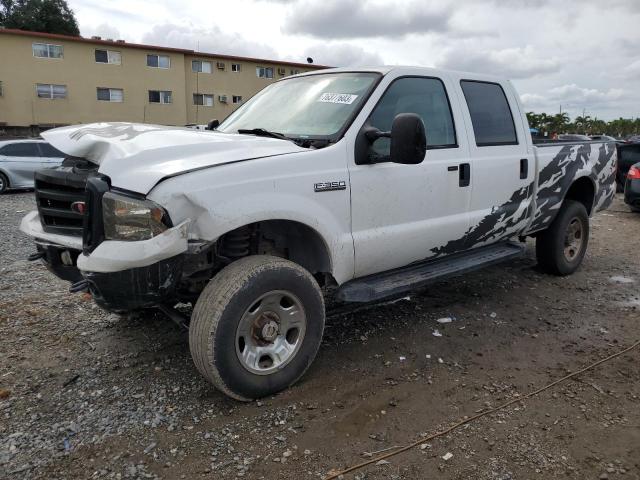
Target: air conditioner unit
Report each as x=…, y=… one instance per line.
x=222, y=98
x=220, y=65
x=281, y=71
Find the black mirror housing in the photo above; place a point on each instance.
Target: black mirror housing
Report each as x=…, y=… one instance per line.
x=408, y=139
x=213, y=124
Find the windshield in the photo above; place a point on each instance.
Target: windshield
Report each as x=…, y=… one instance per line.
x=314, y=106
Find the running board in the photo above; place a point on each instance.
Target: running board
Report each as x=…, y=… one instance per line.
x=417, y=275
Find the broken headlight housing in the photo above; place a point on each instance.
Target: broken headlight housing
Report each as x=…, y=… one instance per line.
x=131, y=219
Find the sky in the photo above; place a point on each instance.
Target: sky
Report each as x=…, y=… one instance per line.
x=574, y=55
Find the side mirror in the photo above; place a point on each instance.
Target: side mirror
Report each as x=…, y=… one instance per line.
x=213, y=124
x=408, y=139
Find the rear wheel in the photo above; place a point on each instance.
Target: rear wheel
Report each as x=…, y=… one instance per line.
x=561, y=248
x=257, y=326
x=4, y=183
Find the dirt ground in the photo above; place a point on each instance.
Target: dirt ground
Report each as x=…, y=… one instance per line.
x=88, y=394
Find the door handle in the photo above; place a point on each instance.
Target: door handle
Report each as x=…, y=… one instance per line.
x=524, y=168
x=464, y=174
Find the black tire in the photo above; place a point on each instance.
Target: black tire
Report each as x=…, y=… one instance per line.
x=227, y=300
x=553, y=243
x=4, y=183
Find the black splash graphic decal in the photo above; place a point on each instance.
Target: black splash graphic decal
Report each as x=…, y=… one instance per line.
x=554, y=181
x=502, y=222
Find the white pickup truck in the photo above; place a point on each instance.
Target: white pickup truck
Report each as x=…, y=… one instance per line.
x=366, y=183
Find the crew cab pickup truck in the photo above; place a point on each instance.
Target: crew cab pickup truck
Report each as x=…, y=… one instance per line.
x=364, y=183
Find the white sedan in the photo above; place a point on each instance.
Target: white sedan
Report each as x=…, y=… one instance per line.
x=19, y=159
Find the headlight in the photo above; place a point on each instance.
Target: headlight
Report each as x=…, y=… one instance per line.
x=127, y=218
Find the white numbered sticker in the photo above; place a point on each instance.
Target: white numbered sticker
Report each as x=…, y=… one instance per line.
x=343, y=98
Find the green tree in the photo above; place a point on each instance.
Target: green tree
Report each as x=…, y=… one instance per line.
x=50, y=16
x=561, y=123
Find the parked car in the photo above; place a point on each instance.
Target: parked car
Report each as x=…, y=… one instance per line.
x=573, y=137
x=632, y=188
x=19, y=159
x=605, y=138
x=363, y=183
x=628, y=155
x=633, y=139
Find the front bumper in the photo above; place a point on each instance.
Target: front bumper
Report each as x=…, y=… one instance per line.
x=121, y=275
x=632, y=193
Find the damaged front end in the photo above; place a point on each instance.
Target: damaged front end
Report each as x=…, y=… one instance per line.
x=117, y=245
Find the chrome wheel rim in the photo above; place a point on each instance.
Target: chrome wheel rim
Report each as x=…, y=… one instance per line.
x=1, y=183
x=574, y=237
x=271, y=332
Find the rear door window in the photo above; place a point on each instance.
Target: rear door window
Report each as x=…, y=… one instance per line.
x=20, y=150
x=490, y=113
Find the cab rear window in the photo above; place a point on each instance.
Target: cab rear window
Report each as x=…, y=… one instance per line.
x=490, y=113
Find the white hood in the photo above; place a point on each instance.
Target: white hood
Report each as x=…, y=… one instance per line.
x=137, y=156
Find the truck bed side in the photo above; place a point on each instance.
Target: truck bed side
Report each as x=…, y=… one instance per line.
x=559, y=165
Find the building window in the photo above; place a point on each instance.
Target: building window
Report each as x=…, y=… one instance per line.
x=201, y=66
x=1, y=90
x=159, y=96
x=235, y=67
x=47, y=90
x=111, y=95
x=108, y=56
x=294, y=72
x=264, y=72
x=47, y=50
x=158, y=61
x=237, y=99
x=204, y=99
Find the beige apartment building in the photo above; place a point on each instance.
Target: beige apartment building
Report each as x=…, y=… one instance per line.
x=48, y=80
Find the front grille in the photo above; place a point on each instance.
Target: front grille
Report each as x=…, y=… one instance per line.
x=57, y=189
x=54, y=205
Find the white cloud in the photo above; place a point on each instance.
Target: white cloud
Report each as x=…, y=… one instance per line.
x=574, y=94
x=509, y=62
x=103, y=30
x=342, y=55
x=212, y=40
x=340, y=19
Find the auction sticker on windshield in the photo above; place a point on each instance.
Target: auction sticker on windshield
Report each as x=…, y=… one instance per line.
x=344, y=98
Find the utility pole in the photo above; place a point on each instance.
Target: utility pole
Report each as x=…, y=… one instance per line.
x=198, y=85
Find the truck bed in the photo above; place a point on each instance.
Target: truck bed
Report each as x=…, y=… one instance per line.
x=559, y=164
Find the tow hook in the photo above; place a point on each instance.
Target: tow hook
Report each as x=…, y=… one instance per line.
x=36, y=256
x=81, y=286
x=178, y=318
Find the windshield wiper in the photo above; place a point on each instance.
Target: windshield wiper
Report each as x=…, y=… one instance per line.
x=261, y=132
x=301, y=142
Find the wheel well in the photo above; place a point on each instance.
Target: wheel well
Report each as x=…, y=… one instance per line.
x=288, y=239
x=583, y=191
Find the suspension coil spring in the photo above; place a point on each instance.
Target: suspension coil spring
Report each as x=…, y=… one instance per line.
x=236, y=244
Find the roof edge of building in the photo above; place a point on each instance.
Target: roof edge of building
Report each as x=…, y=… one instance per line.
x=123, y=44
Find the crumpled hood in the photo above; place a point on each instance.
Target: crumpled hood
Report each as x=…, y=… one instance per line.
x=137, y=156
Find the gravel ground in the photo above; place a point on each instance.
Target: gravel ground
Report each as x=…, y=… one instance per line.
x=88, y=394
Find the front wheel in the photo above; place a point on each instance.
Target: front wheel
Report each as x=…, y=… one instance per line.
x=257, y=326
x=4, y=183
x=561, y=248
